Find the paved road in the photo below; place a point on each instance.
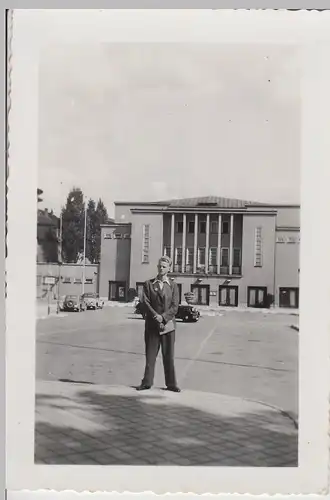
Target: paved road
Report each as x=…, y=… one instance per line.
x=238, y=354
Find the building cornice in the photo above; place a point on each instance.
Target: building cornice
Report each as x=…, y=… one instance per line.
x=195, y=210
x=288, y=228
x=154, y=204
x=274, y=205
x=116, y=224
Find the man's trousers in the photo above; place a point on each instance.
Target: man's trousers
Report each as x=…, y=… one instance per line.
x=153, y=341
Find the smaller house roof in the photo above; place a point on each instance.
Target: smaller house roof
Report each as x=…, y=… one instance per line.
x=47, y=219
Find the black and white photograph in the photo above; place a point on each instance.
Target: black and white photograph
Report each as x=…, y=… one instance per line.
x=167, y=269
x=155, y=209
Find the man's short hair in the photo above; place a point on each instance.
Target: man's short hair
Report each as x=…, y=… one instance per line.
x=167, y=259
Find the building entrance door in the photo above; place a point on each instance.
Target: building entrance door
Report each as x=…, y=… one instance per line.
x=202, y=294
x=257, y=296
x=289, y=297
x=228, y=296
x=117, y=291
x=180, y=291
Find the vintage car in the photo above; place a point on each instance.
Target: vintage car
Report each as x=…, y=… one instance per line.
x=188, y=313
x=139, y=309
x=74, y=303
x=185, y=312
x=92, y=301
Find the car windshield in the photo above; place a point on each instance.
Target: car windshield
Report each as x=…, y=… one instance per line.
x=71, y=297
x=92, y=295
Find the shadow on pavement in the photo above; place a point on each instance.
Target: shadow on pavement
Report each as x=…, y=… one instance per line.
x=68, y=380
x=138, y=430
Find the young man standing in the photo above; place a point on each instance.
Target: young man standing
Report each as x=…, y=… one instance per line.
x=160, y=302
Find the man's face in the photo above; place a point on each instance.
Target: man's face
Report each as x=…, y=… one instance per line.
x=163, y=268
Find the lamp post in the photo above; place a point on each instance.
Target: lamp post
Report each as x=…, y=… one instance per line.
x=59, y=263
x=84, y=255
x=59, y=256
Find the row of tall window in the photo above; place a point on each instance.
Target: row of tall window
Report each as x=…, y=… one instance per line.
x=201, y=255
x=202, y=227
x=201, y=252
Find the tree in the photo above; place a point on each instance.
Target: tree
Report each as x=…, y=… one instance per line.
x=101, y=217
x=91, y=231
x=49, y=244
x=73, y=225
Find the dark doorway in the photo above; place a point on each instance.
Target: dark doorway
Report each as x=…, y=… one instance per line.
x=180, y=291
x=228, y=296
x=117, y=291
x=289, y=297
x=202, y=294
x=257, y=296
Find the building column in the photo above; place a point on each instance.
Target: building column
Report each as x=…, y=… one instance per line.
x=184, y=242
x=172, y=239
x=207, y=244
x=231, y=246
x=162, y=238
x=195, y=244
x=219, y=244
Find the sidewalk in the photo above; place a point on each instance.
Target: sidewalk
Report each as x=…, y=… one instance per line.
x=79, y=423
x=213, y=310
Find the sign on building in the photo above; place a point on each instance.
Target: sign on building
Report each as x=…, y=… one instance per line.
x=49, y=280
x=288, y=239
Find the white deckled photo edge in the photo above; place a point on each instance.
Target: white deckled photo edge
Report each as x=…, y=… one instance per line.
x=172, y=168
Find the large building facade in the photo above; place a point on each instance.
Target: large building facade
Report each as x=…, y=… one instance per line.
x=227, y=252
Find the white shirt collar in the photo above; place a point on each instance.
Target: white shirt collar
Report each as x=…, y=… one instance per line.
x=166, y=280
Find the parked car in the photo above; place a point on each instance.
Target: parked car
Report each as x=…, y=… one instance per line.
x=93, y=301
x=139, y=309
x=185, y=312
x=74, y=303
x=188, y=313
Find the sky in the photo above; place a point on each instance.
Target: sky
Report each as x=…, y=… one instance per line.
x=149, y=122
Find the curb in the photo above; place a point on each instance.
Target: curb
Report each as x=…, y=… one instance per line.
x=277, y=408
x=103, y=387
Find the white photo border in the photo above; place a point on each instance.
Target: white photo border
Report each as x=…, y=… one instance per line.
x=33, y=30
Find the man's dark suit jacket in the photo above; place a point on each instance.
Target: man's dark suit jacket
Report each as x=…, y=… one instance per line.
x=156, y=301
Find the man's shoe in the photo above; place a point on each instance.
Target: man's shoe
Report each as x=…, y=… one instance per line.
x=143, y=387
x=173, y=389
